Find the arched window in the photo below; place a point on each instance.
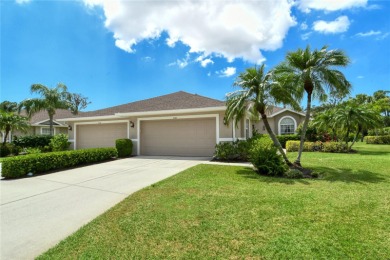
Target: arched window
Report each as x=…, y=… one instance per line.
x=287, y=125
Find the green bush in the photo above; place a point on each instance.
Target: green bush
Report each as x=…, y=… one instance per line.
x=284, y=138
x=33, y=141
x=265, y=158
x=335, y=147
x=329, y=147
x=31, y=150
x=8, y=149
x=124, y=147
x=14, y=167
x=59, y=143
x=226, y=151
x=4, y=150
x=293, y=174
x=381, y=131
x=383, y=139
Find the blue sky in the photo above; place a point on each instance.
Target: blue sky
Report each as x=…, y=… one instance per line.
x=123, y=51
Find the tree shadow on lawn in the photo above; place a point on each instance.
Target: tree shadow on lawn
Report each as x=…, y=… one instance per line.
x=350, y=176
x=326, y=174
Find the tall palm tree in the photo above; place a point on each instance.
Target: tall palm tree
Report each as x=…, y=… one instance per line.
x=257, y=94
x=50, y=100
x=10, y=122
x=313, y=72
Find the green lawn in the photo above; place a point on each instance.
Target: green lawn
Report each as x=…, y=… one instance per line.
x=209, y=212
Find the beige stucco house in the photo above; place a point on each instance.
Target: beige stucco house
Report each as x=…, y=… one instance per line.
x=39, y=123
x=179, y=124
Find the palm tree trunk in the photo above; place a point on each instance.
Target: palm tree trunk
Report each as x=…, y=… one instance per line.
x=274, y=139
x=51, y=124
x=304, y=128
x=7, y=130
x=354, y=140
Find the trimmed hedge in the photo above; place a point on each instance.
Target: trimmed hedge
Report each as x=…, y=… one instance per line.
x=284, y=138
x=124, y=147
x=329, y=147
x=20, y=166
x=33, y=141
x=382, y=139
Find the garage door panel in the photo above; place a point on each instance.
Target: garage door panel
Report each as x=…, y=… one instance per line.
x=181, y=137
x=100, y=135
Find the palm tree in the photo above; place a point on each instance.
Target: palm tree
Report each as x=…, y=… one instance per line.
x=353, y=117
x=11, y=122
x=313, y=72
x=51, y=99
x=257, y=94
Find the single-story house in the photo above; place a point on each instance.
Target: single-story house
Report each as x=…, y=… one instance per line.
x=178, y=124
x=39, y=123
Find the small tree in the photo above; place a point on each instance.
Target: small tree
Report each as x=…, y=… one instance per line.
x=257, y=94
x=11, y=122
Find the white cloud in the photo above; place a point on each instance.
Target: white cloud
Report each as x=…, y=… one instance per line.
x=383, y=36
x=231, y=29
x=367, y=34
x=229, y=71
x=329, y=5
x=360, y=77
x=304, y=26
x=20, y=2
x=305, y=36
x=181, y=63
x=147, y=59
x=379, y=34
x=373, y=7
x=341, y=24
x=204, y=61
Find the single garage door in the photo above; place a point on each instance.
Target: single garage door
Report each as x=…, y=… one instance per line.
x=100, y=135
x=180, y=137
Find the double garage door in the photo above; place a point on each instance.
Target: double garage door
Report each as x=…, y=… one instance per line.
x=180, y=137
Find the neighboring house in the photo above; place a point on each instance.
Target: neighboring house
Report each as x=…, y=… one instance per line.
x=178, y=124
x=40, y=124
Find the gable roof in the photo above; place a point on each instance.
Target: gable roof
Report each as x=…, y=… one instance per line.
x=42, y=116
x=175, y=101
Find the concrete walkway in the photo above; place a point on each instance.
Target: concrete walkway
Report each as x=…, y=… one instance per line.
x=38, y=212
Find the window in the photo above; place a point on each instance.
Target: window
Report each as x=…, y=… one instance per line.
x=46, y=130
x=287, y=126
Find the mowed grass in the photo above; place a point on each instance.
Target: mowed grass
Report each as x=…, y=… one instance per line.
x=227, y=212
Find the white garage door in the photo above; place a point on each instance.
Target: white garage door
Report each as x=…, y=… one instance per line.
x=99, y=135
x=180, y=137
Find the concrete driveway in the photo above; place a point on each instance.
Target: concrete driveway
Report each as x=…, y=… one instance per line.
x=40, y=211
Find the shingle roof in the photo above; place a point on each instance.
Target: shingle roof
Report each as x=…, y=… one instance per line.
x=42, y=115
x=174, y=101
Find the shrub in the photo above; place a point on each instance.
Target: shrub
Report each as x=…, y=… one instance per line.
x=4, y=150
x=225, y=151
x=292, y=146
x=20, y=166
x=33, y=141
x=381, y=131
x=335, y=147
x=293, y=174
x=265, y=158
x=330, y=147
x=284, y=138
x=59, y=143
x=8, y=149
x=31, y=150
x=124, y=147
x=383, y=139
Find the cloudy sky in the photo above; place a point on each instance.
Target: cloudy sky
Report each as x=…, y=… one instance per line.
x=116, y=52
